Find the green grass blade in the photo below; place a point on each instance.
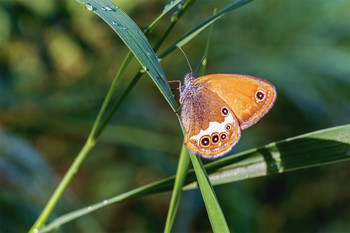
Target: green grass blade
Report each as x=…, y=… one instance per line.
x=195, y=31
x=308, y=150
x=177, y=190
x=99, y=125
x=152, y=188
x=182, y=167
x=167, y=8
x=215, y=214
x=133, y=37
x=312, y=149
x=174, y=19
x=203, y=65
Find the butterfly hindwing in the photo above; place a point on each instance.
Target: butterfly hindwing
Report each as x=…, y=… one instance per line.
x=212, y=128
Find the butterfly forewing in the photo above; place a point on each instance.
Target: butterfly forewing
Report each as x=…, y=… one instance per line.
x=250, y=98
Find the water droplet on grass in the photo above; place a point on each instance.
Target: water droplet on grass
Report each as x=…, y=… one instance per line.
x=88, y=7
x=108, y=8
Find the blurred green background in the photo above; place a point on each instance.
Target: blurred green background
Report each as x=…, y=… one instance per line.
x=57, y=61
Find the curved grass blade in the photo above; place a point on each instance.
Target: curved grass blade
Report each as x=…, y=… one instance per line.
x=203, y=64
x=215, y=214
x=98, y=125
x=167, y=8
x=195, y=31
x=214, y=211
x=312, y=149
x=177, y=190
x=133, y=37
x=183, y=164
x=309, y=150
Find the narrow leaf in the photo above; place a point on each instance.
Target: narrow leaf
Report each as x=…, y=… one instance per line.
x=215, y=214
x=312, y=149
x=308, y=150
x=177, y=190
x=195, y=31
x=133, y=37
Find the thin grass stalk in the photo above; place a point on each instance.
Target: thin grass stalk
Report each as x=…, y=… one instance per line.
x=96, y=131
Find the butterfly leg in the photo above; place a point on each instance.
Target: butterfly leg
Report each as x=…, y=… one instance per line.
x=172, y=81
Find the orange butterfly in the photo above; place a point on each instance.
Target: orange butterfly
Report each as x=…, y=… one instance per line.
x=215, y=108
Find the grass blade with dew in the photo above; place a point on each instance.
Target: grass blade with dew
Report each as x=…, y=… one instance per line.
x=309, y=150
x=99, y=126
x=316, y=148
x=195, y=31
x=134, y=38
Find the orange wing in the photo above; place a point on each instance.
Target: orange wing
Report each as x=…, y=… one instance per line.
x=250, y=98
x=211, y=127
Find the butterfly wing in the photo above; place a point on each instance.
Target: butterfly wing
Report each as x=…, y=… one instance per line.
x=250, y=98
x=211, y=127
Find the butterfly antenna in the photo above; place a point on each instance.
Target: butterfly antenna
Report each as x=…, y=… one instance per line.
x=188, y=62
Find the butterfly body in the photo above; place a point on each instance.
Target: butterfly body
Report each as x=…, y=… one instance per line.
x=215, y=108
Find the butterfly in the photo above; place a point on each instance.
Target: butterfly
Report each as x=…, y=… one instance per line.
x=215, y=109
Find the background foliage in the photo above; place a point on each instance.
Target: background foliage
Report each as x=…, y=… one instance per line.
x=57, y=61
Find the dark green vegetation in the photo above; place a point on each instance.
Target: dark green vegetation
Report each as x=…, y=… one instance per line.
x=57, y=61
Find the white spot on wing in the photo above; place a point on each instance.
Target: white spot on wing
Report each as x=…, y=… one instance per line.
x=214, y=127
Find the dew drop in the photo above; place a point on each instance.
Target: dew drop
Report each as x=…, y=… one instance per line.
x=180, y=4
x=88, y=7
x=167, y=6
x=124, y=27
x=105, y=202
x=148, y=53
x=35, y=230
x=174, y=17
x=108, y=8
x=115, y=23
x=89, y=208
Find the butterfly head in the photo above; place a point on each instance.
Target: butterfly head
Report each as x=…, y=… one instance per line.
x=187, y=87
x=188, y=79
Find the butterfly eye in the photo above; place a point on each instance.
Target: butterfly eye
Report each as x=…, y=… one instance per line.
x=215, y=138
x=223, y=136
x=260, y=95
x=224, y=111
x=205, y=141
